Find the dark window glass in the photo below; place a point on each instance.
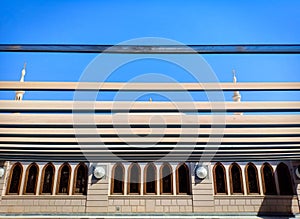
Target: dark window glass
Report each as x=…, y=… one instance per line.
x=64, y=180
x=220, y=180
x=81, y=180
x=134, y=185
x=252, y=179
x=236, y=179
x=183, y=179
x=118, y=179
x=284, y=179
x=31, y=179
x=15, y=179
x=48, y=179
x=268, y=179
x=166, y=179
x=150, y=179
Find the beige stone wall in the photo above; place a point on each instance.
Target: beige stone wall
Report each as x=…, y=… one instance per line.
x=97, y=192
x=161, y=204
x=99, y=200
x=259, y=204
x=43, y=204
x=202, y=190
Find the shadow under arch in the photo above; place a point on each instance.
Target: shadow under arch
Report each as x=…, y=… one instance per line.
x=277, y=202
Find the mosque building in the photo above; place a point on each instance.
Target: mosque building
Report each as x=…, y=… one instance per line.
x=253, y=171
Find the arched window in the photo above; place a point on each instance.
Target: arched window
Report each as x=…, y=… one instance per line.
x=183, y=176
x=268, y=179
x=252, y=179
x=47, y=179
x=117, y=182
x=220, y=179
x=166, y=179
x=236, y=180
x=150, y=179
x=15, y=179
x=284, y=179
x=80, y=181
x=64, y=179
x=31, y=179
x=134, y=175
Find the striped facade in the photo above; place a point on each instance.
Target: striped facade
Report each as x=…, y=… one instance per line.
x=248, y=152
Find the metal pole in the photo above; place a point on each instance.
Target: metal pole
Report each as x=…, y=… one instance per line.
x=156, y=49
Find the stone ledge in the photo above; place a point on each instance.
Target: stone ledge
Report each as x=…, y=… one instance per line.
x=47, y=197
x=255, y=196
x=150, y=197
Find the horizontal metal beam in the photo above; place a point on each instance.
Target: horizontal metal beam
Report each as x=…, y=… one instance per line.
x=233, y=149
x=123, y=86
x=179, y=158
x=183, y=154
x=147, y=140
x=156, y=49
x=134, y=132
x=146, y=119
x=123, y=106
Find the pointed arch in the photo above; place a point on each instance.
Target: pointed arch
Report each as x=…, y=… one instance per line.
x=183, y=179
x=64, y=174
x=284, y=179
x=166, y=179
x=80, y=179
x=31, y=179
x=150, y=179
x=117, y=180
x=252, y=179
x=220, y=183
x=14, y=180
x=236, y=180
x=134, y=178
x=268, y=180
x=47, y=179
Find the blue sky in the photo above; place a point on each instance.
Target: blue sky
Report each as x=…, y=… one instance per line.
x=189, y=22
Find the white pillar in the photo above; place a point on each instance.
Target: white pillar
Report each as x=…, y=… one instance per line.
x=55, y=181
x=125, y=178
x=157, y=178
x=244, y=179
x=174, y=179
x=108, y=175
x=142, y=166
x=260, y=182
x=38, y=185
x=227, y=178
x=21, y=192
x=71, y=185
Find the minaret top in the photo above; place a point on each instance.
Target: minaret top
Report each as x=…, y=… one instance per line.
x=236, y=94
x=234, y=76
x=20, y=93
x=23, y=73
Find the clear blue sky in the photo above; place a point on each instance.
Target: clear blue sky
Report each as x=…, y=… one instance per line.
x=189, y=22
